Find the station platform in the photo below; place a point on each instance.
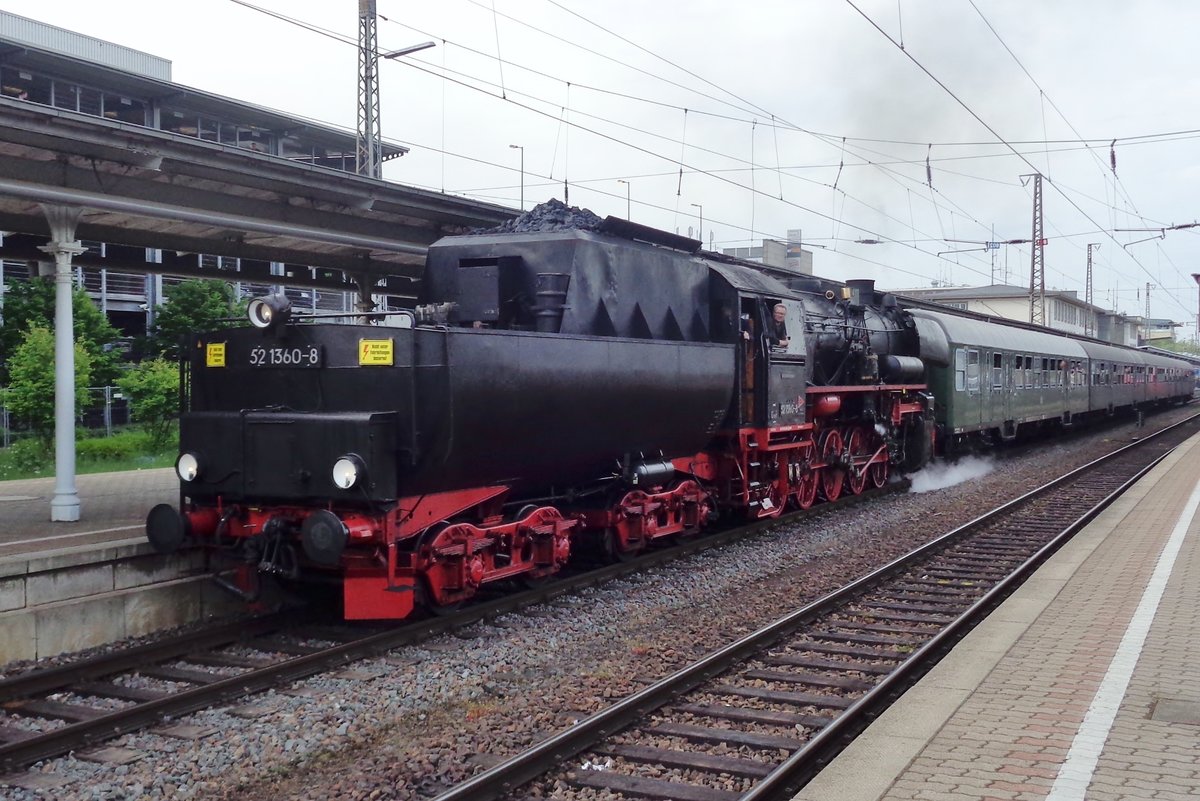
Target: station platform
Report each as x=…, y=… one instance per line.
x=1084, y=684
x=65, y=587
x=113, y=508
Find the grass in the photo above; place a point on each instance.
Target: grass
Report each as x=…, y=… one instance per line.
x=126, y=450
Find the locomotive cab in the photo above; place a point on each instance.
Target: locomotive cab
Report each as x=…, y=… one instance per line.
x=773, y=361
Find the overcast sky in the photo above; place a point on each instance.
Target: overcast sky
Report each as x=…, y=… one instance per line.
x=799, y=115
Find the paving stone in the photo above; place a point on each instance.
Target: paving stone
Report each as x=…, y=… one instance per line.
x=1176, y=711
x=1009, y=736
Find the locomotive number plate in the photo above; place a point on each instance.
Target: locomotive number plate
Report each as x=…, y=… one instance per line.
x=299, y=356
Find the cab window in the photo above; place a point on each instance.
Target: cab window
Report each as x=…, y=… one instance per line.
x=793, y=325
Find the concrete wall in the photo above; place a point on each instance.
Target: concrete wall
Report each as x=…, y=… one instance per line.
x=64, y=601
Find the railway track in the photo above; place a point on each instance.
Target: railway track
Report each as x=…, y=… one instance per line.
x=86, y=702
x=758, y=718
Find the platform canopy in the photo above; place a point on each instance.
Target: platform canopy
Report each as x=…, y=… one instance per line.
x=148, y=188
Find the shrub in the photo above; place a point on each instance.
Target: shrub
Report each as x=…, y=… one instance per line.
x=153, y=391
x=118, y=447
x=25, y=457
x=30, y=395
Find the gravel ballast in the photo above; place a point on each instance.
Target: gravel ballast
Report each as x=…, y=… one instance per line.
x=436, y=714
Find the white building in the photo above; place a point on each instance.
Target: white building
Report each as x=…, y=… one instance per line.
x=1064, y=310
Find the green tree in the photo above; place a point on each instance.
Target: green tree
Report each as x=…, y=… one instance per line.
x=30, y=393
x=31, y=303
x=153, y=391
x=192, y=306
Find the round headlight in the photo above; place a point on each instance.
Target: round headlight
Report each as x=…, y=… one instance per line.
x=269, y=311
x=348, y=471
x=260, y=313
x=187, y=466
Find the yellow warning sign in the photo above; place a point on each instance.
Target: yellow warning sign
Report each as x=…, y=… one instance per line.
x=375, y=352
x=214, y=354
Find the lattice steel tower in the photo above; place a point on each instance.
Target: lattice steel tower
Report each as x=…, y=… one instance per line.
x=368, y=155
x=1037, y=271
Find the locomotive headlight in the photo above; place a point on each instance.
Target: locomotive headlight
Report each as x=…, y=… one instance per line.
x=187, y=466
x=348, y=471
x=269, y=311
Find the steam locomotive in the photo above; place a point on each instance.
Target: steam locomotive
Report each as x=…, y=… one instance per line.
x=598, y=388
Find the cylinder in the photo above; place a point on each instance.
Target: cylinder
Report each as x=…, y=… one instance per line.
x=901, y=369
x=651, y=473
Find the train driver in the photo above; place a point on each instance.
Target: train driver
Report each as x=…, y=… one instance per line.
x=777, y=334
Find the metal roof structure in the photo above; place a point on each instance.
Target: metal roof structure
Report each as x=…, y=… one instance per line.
x=148, y=188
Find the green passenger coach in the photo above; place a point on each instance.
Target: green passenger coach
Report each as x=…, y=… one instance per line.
x=994, y=382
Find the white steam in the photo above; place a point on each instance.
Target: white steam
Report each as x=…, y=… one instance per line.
x=940, y=475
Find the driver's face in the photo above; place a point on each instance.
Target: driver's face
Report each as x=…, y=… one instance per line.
x=780, y=314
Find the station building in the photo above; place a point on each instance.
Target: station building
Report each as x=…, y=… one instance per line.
x=72, y=74
x=1065, y=311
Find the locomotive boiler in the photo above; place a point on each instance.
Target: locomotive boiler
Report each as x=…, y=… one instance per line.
x=605, y=386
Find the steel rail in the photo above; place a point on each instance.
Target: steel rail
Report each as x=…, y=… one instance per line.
x=544, y=756
x=794, y=772
x=89, y=732
x=45, y=680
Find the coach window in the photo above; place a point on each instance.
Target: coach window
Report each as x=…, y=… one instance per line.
x=972, y=372
x=960, y=370
x=1018, y=372
x=997, y=371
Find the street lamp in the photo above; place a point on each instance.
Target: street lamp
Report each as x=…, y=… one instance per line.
x=522, y=149
x=628, y=213
x=1196, y=278
x=404, y=51
x=700, y=234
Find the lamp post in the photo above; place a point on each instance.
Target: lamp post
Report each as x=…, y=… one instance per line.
x=1196, y=278
x=522, y=149
x=628, y=204
x=700, y=233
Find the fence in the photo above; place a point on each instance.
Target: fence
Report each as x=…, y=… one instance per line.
x=105, y=410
